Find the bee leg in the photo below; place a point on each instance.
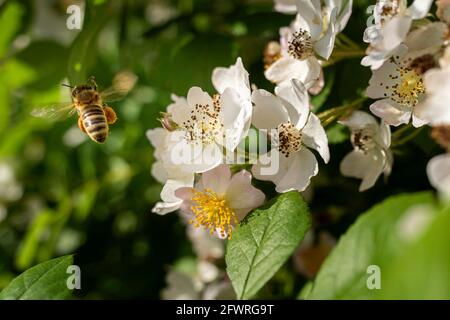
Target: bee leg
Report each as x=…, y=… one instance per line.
x=80, y=125
x=111, y=116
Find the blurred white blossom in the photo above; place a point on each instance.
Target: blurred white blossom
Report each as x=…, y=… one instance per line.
x=371, y=155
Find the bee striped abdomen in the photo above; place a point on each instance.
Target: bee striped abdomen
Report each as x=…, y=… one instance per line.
x=94, y=122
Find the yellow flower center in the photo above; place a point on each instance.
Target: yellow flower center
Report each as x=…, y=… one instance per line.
x=409, y=89
x=212, y=212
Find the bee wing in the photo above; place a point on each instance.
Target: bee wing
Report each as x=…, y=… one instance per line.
x=123, y=82
x=56, y=111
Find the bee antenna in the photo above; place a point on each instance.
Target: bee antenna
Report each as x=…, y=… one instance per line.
x=67, y=85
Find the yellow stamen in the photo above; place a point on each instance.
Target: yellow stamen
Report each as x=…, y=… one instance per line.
x=411, y=86
x=212, y=212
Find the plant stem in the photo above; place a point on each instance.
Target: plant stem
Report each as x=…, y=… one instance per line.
x=414, y=134
x=329, y=116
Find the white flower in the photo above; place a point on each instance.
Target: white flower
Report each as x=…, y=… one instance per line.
x=183, y=285
x=289, y=164
x=208, y=126
x=399, y=88
x=393, y=21
x=371, y=155
x=310, y=34
x=438, y=171
x=219, y=200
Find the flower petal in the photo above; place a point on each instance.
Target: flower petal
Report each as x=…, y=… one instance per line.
x=287, y=68
x=393, y=116
x=159, y=172
x=381, y=80
x=286, y=6
x=438, y=171
x=235, y=77
x=394, y=32
x=359, y=120
x=385, y=135
x=309, y=17
x=235, y=115
x=163, y=208
x=179, y=109
x=315, y=137
x=197, y=96
x=268, y=112
x=217, y=179
x=298, y=171
x=425, y=40
x=324, y=47
x=434, y=109
x=242, y=196
x=186, y=194
x=296, y=101
x=420, y=8
x=417, y=121
x=367, y=167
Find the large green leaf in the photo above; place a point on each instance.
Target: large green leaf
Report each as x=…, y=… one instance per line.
x=264, y=241
x=423, y=270
x=374, y=239
x=47, y=281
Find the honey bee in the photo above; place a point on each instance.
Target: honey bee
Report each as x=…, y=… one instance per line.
x=94, y=115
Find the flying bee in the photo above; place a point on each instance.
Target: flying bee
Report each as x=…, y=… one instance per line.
x=94, y=115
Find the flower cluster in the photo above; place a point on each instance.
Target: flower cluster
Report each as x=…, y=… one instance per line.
x=206, y=157
x=410, y=65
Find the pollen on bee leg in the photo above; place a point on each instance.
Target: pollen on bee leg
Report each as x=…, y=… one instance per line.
x=110, y=114
x=80, y=125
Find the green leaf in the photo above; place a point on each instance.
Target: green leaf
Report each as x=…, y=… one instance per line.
x=305, y=291
x=373, y=239
x=422, y=272
x=264, y=241
x=46, y=281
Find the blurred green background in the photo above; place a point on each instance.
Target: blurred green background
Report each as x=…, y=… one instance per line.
x=61, y=193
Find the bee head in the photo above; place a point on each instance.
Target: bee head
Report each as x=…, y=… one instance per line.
x=85, y=93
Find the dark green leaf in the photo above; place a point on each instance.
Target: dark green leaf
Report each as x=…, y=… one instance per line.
x=264, y=241
x=47, y=281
